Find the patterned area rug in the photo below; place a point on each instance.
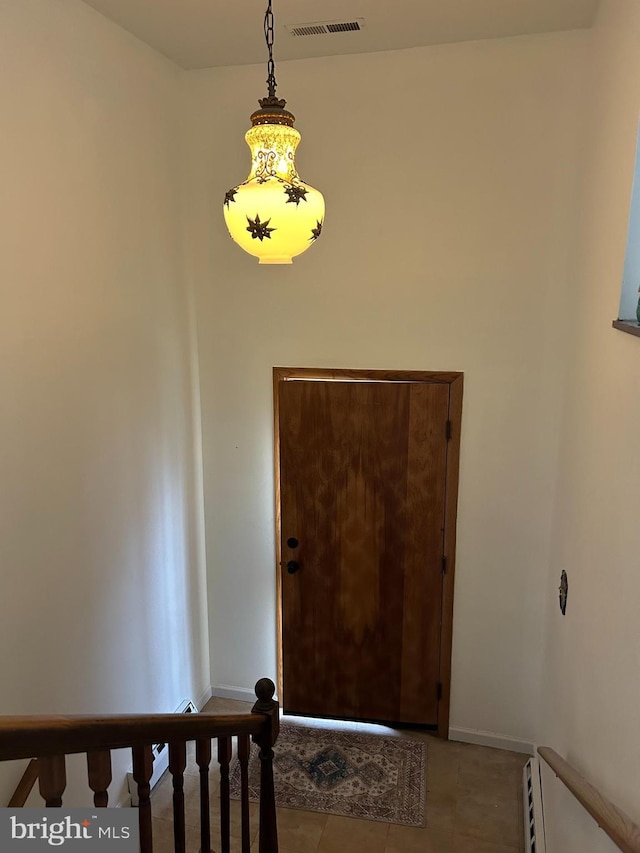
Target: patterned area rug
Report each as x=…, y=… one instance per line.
x=344, y=773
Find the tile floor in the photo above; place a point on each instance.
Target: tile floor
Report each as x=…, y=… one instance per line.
x=473, y=805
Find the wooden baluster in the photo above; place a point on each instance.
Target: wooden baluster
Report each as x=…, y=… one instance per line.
x=25, y=785
x=142, y=771
x=99, y=770
x=203, y=759
x=243, y=757
x=265, y=689
x=52, y=776
x=177, y=763
x=224, y=757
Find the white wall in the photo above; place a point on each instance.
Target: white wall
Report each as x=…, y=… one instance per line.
x=592, y=660
x=450, y=178
x=103, y=606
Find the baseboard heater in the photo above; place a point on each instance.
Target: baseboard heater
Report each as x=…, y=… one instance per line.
x=160, y=756
x=534, y=841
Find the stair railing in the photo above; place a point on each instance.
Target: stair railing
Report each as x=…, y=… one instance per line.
x=50, y=739
x=618, y=826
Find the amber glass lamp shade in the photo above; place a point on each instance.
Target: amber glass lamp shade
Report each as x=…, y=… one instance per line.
x=274, y=215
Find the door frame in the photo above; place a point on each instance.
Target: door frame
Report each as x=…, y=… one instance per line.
x=455, y=381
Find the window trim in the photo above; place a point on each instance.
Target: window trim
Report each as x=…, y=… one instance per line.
x=629, y=326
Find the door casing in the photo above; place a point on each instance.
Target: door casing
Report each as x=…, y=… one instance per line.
x=455, y=381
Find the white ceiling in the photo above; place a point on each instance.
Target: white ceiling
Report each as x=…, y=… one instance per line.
x=204, y=33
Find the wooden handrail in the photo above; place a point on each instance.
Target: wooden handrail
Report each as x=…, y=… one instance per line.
x=24, y=786
x=618, y=826
x=24, y=737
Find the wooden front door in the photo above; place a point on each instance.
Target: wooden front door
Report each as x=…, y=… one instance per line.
x=367, y=481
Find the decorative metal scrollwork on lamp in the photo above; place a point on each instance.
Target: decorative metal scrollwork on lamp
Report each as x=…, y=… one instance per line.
x=273, y=215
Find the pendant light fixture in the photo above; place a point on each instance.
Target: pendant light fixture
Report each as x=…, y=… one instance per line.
x=273, y=215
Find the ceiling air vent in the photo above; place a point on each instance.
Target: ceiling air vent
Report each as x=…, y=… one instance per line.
x=325, y=28
x=343, y=27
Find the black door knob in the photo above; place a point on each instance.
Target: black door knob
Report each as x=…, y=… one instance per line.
x=292, y=567
x=292, y=542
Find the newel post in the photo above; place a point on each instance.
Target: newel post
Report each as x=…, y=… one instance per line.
x=266, y=705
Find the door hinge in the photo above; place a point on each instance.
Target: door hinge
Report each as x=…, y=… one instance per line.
x=449, y=430
x=444, y=565
x=439, y=690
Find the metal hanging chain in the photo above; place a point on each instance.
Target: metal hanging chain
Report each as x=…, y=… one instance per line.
x=271, y=66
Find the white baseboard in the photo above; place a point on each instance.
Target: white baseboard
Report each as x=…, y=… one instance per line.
x=202, y=700
x=227, y=691
x=492, y=739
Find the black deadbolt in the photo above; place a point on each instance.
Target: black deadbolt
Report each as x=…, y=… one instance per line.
x=292, y=567
x=292, y=542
